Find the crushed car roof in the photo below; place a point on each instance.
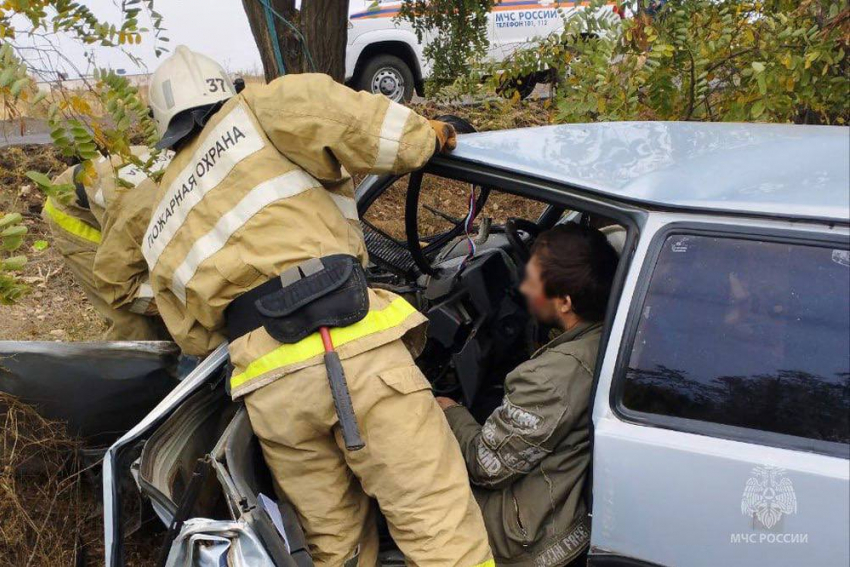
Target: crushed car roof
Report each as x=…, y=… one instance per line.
x=772, y=169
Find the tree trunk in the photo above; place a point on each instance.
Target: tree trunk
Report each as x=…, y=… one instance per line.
x=324, y=25
x=255, y=11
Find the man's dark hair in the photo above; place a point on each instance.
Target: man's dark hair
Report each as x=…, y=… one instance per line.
x=577, y=261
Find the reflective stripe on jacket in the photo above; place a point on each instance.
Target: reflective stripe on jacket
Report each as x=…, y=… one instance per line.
x=264, y=187
x=69, y=217
x=64, y=219
x=389, y=319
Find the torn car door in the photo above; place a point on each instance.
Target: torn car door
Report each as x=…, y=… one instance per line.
x=99, y=389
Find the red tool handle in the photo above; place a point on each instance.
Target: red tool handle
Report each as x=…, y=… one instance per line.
x=326, y=339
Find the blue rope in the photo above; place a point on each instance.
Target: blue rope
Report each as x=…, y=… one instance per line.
x=276, y=43
x=278, y=56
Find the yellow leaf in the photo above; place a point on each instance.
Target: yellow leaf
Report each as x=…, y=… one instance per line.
x=81, y=105
x=88, y=173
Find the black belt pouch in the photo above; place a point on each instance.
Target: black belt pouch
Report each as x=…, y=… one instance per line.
x=325, y=292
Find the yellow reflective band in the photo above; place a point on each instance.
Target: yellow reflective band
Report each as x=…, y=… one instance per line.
x=374, y=322
x=488, y=563
x=70, y=224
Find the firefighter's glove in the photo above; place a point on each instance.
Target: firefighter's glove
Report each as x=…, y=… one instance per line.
x=446, y=136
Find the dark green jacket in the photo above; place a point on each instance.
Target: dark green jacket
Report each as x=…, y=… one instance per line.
x=529, y=461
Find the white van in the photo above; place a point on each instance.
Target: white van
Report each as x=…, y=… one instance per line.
x=384, y=56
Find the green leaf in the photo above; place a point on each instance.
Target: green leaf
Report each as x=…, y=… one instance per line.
x=40, y=178
x=80, y=133
x=757, y=109
x=758, y=66
x=18, y=85
x=11, y=243
x=14, y=264
x=14, y=231
x=10, y=219
x=762, y=83
x=40, y=245
x=39, y=98
x=6, y=76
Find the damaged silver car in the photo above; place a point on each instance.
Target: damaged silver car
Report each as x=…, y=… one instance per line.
x=723, y=375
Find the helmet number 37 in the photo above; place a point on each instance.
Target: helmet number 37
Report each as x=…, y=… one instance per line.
x=217, y=85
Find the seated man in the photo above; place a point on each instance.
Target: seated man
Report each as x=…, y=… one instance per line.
x=528, y=463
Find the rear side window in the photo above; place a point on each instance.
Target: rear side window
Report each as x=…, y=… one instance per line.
x=746, y=333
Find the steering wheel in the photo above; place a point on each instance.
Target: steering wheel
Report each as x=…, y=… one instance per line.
x=519, y=249
x=418, y=253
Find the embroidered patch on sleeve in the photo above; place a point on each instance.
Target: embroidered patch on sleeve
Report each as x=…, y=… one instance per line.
x=520, y=456
x=488, y=460
x=523, y=420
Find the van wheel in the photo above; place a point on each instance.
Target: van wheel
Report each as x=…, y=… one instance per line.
x=387, y=75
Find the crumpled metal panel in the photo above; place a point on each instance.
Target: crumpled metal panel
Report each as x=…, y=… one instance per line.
x=214, y=543
x=114, y=464
x=99, y=389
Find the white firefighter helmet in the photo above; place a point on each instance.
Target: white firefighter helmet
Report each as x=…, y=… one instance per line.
x=185, y=81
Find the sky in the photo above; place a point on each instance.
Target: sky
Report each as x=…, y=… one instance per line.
x=217, y=28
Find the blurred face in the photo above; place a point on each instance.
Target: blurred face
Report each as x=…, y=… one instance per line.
x=541, y=307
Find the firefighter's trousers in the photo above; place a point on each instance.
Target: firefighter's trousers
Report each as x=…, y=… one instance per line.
x=412, y=465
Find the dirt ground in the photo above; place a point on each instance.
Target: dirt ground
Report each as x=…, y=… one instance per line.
x=50, y=518
x=56, y=308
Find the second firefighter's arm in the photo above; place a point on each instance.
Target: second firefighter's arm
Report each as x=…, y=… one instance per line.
x=120, y=270
x=321, y=125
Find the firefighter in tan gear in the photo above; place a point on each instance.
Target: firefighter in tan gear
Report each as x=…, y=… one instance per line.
x=259, y=186
x=77, y=226
x=125, y=284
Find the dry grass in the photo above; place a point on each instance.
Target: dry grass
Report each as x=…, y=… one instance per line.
x=46, y=511
x=496, y=114
x=49, y=505
x=449, y=197
x=11, y=109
